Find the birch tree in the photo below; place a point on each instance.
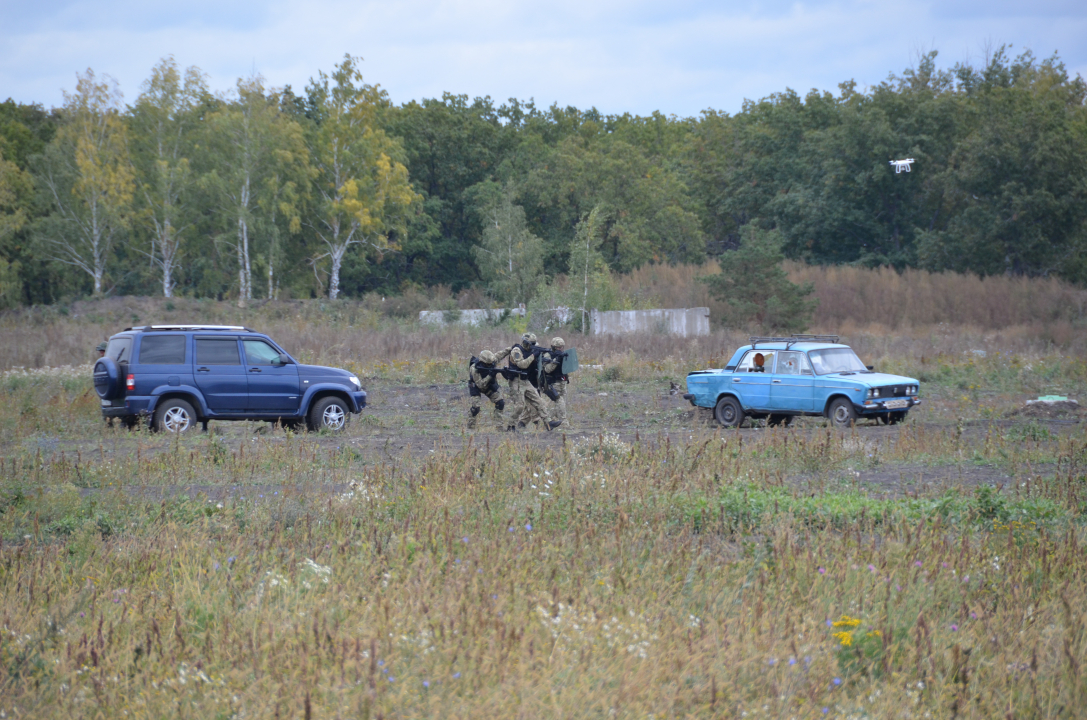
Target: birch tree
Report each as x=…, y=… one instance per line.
x=164, y=120
x=362, y=188
x=588, y=268
x=86, y=176
x=510, y=257
x=254, y=151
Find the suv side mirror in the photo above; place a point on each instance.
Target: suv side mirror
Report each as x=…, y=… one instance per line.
x=283, y=359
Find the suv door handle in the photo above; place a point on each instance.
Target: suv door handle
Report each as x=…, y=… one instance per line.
x=203, y=369
x=254, y=369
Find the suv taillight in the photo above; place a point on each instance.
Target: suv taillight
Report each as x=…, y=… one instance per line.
x=130, y=382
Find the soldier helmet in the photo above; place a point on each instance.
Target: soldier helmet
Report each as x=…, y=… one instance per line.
x=528, y=339
x=558, y=344
x=101, y=347
x=487, y=357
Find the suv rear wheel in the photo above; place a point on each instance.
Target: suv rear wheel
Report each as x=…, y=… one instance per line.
x=174, y=416
x=329, y=413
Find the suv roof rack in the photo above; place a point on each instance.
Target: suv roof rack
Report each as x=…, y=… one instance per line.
x=227, y=328
x=791, y=339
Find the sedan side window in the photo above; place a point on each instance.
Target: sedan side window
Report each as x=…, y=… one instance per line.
x=258, y=352
x=789, y=363
x=751, y=361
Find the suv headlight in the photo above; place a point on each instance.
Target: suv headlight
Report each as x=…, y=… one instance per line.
x=355, y=381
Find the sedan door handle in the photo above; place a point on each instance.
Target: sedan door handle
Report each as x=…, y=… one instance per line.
x=735, y=379
x=254, y=369
x=203, y=369
x=777, y=381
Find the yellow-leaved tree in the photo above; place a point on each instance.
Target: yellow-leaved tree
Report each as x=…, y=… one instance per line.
x=362, y=187
x=87, y=176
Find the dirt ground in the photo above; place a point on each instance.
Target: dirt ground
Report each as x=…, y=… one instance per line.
x=415, y=421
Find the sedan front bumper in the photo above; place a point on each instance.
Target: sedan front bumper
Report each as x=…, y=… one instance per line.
x=888, y=405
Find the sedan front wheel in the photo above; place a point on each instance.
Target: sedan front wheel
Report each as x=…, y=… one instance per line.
x=842, y=413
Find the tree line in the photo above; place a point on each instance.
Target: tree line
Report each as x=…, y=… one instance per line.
x=264, y=192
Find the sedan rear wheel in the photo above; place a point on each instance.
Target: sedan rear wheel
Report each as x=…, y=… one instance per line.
x=728, y=412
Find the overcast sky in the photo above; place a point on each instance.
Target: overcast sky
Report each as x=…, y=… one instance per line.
x=678, y=57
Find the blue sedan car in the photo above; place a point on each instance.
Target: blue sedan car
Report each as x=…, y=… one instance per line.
x=779, y=378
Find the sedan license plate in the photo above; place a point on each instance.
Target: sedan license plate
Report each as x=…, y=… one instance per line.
x=896, y=404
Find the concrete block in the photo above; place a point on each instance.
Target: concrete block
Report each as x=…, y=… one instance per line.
x=684, y=322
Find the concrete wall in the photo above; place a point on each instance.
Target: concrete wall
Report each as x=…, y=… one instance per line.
x=685, y=322
x=466, y=317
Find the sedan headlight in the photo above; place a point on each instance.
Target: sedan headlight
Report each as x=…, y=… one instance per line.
x=355, y=381
x=875, y=392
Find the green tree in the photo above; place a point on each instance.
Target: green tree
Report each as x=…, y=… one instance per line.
x=362, y=188
x=644, y=210
x=755, y=288
x=510, y=258
x=1014, y=191
x=164, y=120
x=87, y=177
x=15, y=186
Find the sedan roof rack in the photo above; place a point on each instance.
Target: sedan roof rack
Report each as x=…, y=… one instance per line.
x=226, y=328
x=791, y=339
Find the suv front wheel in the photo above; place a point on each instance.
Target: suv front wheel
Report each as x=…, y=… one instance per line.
x=328, y=413
x=174, y=416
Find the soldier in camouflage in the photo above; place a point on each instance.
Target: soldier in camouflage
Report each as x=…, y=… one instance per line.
x=484, y=384
x=524, y=357
x=554, y=380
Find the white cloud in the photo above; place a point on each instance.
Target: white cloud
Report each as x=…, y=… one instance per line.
x=633, y=56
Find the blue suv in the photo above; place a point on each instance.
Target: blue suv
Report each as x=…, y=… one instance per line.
x=179, y=375
x=778, y=378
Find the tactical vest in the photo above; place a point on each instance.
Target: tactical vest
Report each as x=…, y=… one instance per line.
x=532, y=370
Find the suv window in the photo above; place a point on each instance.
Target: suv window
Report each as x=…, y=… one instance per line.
x=792, y=363
x=748, y=363
x=120, y=349
x=217, y=351
x=162, y=350
x=258, y=352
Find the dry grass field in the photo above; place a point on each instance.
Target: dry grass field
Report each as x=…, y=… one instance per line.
x=638, y=562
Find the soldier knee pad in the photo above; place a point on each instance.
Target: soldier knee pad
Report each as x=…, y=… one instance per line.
x=501, y=404
x=475, y=410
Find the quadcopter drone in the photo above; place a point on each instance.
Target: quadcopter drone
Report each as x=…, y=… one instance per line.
x=901, y=165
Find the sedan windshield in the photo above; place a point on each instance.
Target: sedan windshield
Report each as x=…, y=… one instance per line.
x=835, y=360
